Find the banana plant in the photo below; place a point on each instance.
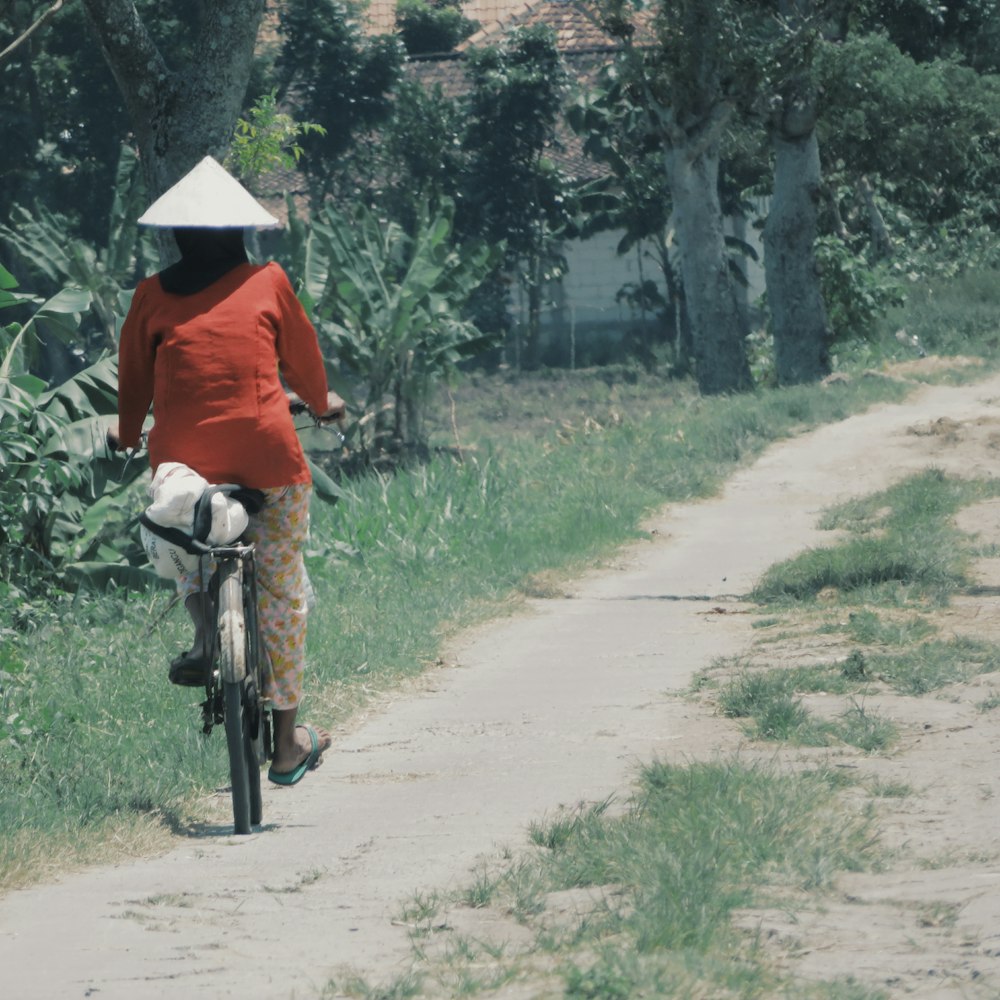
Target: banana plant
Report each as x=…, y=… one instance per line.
x=91, y=280
x=388, y=304
x=65, y=504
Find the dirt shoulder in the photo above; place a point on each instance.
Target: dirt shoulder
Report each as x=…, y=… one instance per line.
x=555, y=706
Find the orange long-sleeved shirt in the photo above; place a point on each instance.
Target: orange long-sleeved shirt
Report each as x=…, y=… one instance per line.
x=209, y=364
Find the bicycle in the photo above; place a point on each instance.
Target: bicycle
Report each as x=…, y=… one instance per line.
x=237, y=686
x=236, y=668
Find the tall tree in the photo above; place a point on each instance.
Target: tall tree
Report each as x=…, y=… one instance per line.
x=62, y=124
x=180, y=112
x=799, y=322
x=432, y=26
x=511, y=191
x=340, y=79
x=631, y=198
x=691, y=76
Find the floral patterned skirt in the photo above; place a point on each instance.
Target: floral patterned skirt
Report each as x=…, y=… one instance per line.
x=279, y=531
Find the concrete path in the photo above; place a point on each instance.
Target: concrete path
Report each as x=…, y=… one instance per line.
x=551, y=707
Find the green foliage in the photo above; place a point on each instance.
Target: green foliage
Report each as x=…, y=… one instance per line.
x=706, y=51
x=511, y=190
x=925, y=29
x=432, y=26
x=388, y=303
x=420, y=160
x=341, y=79
x=63, y=505
x=267, y=139
x=857, y=292
x=62, y=134
x=877, y=104
x=618, y=134
x=83, y=281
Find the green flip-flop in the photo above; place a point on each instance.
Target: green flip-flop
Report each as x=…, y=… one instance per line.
x=298, y=773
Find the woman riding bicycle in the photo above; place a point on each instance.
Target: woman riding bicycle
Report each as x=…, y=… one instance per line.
x=207, y=342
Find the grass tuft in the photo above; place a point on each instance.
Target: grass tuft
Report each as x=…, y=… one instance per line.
x=694, y=844
x=879, y=554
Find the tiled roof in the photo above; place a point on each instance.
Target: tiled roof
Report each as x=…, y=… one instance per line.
x=584, y=45
x=576, y=25
x=576, y=22
x=579, y=37
x=449, y=74
x=381, y=14
x=380, y=17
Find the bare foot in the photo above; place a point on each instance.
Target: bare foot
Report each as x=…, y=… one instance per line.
x=287, y=758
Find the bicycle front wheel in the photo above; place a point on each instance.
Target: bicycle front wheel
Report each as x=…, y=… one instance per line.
x=239, y=772
x=240, y=717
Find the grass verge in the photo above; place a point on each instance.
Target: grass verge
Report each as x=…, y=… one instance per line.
x=878, y=560
x=901, y=552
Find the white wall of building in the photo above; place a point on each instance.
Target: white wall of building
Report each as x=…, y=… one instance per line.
x=581, y=319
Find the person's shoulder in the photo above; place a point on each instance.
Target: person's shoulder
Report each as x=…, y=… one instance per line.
x=146, y=287
x=275, y=273
x=148, y=284
x=277, y=279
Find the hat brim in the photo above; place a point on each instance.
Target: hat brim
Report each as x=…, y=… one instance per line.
x=207, y=197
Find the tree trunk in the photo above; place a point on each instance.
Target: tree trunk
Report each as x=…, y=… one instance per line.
x=881, y=240
x=179, y=114
x=678, y=321
x=799, y=322
x=719, y=325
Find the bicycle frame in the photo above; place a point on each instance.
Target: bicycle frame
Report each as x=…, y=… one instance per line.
x=216, y=563
x=237, y=668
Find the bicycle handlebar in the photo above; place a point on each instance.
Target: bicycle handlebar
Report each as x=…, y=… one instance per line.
x=296, y=407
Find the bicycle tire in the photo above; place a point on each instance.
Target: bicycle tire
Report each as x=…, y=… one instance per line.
x=256, y=729
x=239, y=773
x=233, y=670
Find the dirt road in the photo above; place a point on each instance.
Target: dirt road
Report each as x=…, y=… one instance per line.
x=551, y=707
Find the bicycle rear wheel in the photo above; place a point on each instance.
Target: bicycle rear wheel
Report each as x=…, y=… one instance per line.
x=241, y=712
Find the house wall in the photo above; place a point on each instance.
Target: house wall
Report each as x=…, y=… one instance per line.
x=583, y=324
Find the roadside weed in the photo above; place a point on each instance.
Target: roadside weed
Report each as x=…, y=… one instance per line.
x=990, y=703
x=847, y=989
x=883, y=789
x=879, y=557
x=865, y=729
x=870, y=628
x=480, y=892
x=421, y=911
x=403, y=987
x=935, y=664
x=749, y=691
x=555, y=832
x=638, y=901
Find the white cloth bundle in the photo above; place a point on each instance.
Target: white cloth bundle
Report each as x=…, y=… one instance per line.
x=176, y=489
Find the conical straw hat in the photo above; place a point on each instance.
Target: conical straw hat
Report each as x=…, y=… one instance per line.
x=207, y=196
